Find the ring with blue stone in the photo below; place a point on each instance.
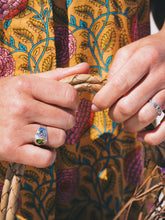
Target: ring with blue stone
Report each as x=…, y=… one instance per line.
x=40, y=137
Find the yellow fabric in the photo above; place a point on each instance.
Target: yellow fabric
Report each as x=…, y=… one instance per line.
x=100, y=165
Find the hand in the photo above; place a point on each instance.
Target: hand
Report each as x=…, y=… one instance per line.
x=137, y=74
x=28, y=101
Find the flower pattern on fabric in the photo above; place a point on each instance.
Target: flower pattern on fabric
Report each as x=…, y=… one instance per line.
x=32, y=43
x=82, y=121
x=134, y=166
x=10, y=8
x=67, y=181
x=7, y=64
x=97, y=167
x=65, y=45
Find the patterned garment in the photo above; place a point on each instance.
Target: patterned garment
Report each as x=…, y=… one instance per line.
x=98, y=168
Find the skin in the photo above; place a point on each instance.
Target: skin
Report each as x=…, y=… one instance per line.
x=137, y=74
x=29, y=101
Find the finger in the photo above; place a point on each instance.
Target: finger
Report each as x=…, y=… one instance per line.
x=154, y=137
x=122, y=82
x=130, y=104
x=55, y=137
x=32, y=155
x=53, y=116
x=61, y=73
x=121, y=58
x=49, y=91
x=146, y=115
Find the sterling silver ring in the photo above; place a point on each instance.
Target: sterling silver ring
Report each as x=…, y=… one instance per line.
x=157, y=107
x=40, y=137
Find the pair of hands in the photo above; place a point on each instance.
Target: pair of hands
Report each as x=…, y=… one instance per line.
x=28, y=101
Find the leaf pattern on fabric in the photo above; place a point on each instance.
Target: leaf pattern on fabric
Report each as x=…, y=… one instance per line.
x=95, y=27
x=36, y=25
x=118, y=22
x=84, y=34
x=108, y=40
x=24, y=35
x=31, y=176
x=98, y=2
x=142, y=9
x=24, y=68
x=49, y=63
x=115, y=147
x=117, y=5
x=24, y=58
x=85, y=11
x=84, y=191
x=68, y=157
x=109, y=183
x=44, y=2
x=50, y=204
x=2, y=171
x=89, y=151
x=60, y=14
x=123, y=39
x=80, y=58
x=36, y=51
x=31, y=3
x=26, y=214
x=41, y=192
x=93, y=175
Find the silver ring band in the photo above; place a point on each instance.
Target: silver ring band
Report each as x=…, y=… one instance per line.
x=40, y=137
x=157, y=107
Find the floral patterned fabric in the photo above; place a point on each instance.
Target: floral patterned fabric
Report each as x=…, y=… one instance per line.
x=98, y=168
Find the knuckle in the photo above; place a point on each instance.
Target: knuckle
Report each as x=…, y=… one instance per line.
x=21, y=107
x=47, y=161
x=22, y=83
x=70, y=121
x=151, y=53
x=71, y=97
x=143, y=118
x=121, y=84
x=61, y=138
x=124, y=108
x=123, y=52
x=8, y=148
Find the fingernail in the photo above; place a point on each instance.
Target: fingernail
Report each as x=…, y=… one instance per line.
x=95, y=108
x=140, y=138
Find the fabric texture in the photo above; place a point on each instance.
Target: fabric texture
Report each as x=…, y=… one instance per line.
x=98, y=168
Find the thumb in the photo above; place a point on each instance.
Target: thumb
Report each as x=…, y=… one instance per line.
x=61, y=73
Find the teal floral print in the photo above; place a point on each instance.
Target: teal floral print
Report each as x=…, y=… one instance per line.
x=100, y=165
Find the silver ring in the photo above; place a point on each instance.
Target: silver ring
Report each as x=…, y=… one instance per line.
x=40, y=137
x=157, y=107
